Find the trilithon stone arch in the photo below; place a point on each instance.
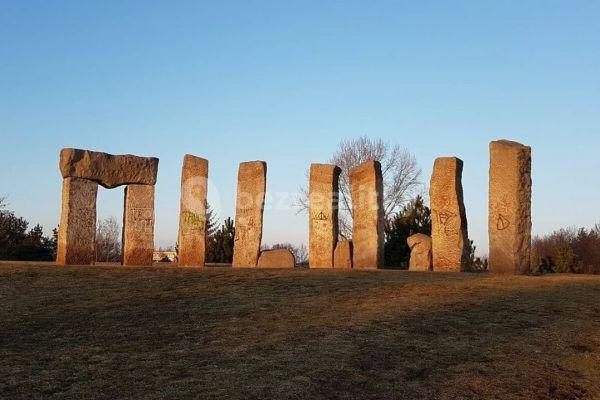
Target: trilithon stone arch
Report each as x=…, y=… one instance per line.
x=82, y=172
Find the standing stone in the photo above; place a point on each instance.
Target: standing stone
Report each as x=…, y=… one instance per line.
x=277, y=258
x=138, y=225
x=342, y=257
x=509, y=222
x=448, y=216
x=420, y=252
x=252, y=181
x=366, y=183
x=192, y=213
x=77, y=230
x=323, y=214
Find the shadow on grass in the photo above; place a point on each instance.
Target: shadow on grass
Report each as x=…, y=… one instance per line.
x=175, y=333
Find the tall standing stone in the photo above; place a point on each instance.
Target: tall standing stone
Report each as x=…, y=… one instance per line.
x=77, y=230
x=138, y=225
x=449, y=234
x=323, y=214
x=366, y=183
x=192, y=213
x=252, y=181
x=509, y=221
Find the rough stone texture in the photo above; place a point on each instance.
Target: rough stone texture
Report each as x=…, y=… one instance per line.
x=252, y=180
x=77, y=231
x=108, y=170
x=323, y=214
x=192, y=212
x=420, y=253
x=448, y=216
x=342, y=257
x=279, y=258
x=138, y=225
x=367, y=201
x=509, y=222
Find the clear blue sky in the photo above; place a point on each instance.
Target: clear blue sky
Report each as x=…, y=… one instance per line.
x=285, y=81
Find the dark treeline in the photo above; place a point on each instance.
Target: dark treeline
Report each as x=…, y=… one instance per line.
x=19, y=243
x=568, y=250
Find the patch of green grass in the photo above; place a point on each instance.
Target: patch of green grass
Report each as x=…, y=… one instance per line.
x=166, y=333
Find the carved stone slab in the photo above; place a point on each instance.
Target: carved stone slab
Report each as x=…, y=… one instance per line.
x=77, y=231
x=342, y=257
x=366, y=183
x=192, y=213
x=278, y=258
x=323, y=214
x=138, y=225
x=449, y=234
x=252, y=180
x=509, y=222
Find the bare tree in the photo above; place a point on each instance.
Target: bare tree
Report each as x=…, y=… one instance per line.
x=400, y=177
x=108, y=240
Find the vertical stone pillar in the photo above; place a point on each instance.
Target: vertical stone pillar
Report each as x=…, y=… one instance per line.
x=366, y=183
x=252, y=181
x=449, y=236
x=77, y=231
x=509, y=223
x=323, y=214
x=192, y=212
x=138, y=225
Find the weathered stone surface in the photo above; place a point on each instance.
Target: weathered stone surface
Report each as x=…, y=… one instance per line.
x=138, y=225
x=279, y=258
x=342, y=257
x=366, y=184
x=509, y=222
x=420, y=252
x=77, y=231
x=252, y=180
x=448, y=216
x=108, y=170
x=192, y=212
x=323, y=214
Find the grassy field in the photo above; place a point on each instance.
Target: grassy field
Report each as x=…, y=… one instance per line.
x=171, y=333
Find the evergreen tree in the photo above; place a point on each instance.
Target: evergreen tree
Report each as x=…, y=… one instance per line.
x=414, y=218
x=219, y=246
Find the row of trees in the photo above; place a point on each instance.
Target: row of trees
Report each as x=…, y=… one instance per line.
x=19, y=243
x=575, y=250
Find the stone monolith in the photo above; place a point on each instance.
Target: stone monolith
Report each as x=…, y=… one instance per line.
x=192, y=212
x=509, y=222
x=323, y=214
x=420, y=252
x=342, y=257
x=278, y=258
x=366, y=183
x=138, y=225
x=449, y=234
x=108, y=170
x=77, y=230
x=252, y=180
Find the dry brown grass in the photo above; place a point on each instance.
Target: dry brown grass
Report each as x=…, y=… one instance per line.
x=171, y=333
